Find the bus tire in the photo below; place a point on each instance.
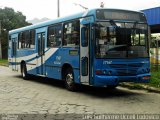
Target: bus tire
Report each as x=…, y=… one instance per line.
x=69, y=80
x=24, y=74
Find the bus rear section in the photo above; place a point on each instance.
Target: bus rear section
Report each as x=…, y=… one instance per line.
x=121, y=48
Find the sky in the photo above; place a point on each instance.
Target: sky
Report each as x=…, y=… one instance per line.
x=48, y=8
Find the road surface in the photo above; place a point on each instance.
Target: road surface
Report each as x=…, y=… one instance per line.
x=46, y=96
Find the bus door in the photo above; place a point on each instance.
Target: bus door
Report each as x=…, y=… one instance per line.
x=14, y=54
x=84, y=54
x=41, y=53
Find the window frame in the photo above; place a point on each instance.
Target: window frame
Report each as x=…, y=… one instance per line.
x=32, y=38
x=71, y=34
x=24, y=38
x=54, y=26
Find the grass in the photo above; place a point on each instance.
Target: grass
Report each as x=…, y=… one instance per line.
x=155, y=79
x=4, y=62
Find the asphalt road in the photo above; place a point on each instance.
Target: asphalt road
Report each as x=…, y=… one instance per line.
x=42, y=96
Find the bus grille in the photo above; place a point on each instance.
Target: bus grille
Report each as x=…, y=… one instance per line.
x=126, y=65
x=126, y=69
x=126, y=72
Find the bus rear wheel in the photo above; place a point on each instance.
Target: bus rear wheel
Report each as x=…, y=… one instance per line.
x=24, y=74
x=69, y=80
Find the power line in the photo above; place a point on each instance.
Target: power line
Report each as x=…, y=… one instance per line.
x=81, y=6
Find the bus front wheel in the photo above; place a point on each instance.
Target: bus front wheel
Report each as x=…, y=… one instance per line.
x=69, y=80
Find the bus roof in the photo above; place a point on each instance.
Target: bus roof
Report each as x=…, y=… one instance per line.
x=59, y=20
x=50, y=22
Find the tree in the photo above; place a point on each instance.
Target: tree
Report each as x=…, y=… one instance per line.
x=10, y=20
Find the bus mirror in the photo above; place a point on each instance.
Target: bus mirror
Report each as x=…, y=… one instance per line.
x=84, y=37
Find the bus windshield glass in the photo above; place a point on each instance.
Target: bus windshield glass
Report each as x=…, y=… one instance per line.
x=121, y=39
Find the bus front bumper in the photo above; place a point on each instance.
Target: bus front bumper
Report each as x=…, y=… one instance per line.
x=102, y=80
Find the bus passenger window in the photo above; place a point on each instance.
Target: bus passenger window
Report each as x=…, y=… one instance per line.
x=19, y=40
x=23, y=40
x=71, y=33
x=32, y=39
x=26, y=39
x=54, y=36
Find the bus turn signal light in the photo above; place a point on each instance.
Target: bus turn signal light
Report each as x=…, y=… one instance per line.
x=146, y=77
x=98, y=72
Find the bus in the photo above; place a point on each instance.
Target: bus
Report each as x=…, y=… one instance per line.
x=98, y=47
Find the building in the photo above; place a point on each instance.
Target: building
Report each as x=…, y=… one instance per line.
x=153, y=18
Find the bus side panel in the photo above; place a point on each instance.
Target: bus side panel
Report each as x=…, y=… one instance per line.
x=60, y=57
x=70, y=55
x=53, y=72
x=53, y=66
x=29, y=57
x=76, y=76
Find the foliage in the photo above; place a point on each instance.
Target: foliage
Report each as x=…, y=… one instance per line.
x=10, y=20
x=155, y=76
x=155, y=79
x=4, y=62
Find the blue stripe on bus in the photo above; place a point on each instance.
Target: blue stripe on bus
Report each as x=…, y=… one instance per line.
x=17, y=63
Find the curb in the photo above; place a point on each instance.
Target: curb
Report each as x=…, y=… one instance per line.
x=140, y=87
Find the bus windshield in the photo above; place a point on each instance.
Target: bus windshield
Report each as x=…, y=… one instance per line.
x=121, y=39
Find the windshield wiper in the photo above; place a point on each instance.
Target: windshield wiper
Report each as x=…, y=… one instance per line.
x=134, y=25
x=113, y=23
x=134, y=29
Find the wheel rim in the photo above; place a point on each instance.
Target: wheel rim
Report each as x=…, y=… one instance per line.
x=69, y=79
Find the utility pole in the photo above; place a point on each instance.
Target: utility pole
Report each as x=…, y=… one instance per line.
x=0, y=37
x=58, y=9
x=0, y=42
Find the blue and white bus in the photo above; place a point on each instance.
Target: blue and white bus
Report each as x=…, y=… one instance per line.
x=98, y=47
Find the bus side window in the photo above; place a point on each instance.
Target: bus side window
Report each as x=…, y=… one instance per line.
x=22, y=37
x=19, y=40
x=23, y=40
x=71, y=33
x=54, y=36
x=32, y=39
x=26, y=39
x=85, y=36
